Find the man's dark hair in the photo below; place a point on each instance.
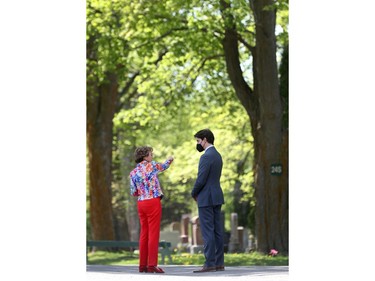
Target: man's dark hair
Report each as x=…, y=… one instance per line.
x=141, y=152
x=205, y=133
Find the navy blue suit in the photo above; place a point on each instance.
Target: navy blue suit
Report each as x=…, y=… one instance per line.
x=209, y=196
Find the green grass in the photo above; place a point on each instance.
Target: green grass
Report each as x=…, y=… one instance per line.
x=243, y=259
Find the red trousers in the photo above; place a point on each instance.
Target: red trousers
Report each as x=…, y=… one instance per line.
x=149, y=212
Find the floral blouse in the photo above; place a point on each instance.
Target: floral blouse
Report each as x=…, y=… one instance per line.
x=144, y=181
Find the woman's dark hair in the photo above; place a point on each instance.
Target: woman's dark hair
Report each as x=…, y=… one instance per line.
x=205, y=133
x=141, y=152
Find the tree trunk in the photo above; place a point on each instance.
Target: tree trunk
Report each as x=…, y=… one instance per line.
x=263, y=105
x=269, y=189
x=101, y=101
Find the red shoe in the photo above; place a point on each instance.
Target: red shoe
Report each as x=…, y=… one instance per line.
x=154, y=269
x=142, y=268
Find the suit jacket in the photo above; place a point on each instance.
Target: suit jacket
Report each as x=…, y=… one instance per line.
x=207, y=187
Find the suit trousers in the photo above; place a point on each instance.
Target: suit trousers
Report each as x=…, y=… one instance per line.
x=212, y=233
x=149, y=212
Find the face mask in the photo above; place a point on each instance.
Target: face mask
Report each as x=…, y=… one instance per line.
x=199, y=147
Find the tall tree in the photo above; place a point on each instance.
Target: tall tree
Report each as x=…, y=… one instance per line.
x=103, y=71
x=264, y=106
x=100, y=112
x=118, y=48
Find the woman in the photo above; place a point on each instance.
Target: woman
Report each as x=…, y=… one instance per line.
x=144, y=183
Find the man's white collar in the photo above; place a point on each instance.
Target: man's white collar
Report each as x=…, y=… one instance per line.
x=209, y=147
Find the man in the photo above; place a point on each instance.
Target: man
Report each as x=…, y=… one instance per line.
x=209, y=196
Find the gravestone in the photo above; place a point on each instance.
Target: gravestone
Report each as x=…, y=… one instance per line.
x=185, y=221
x=175, y=226
x=243, y=238
x=240, y=238
x=197, y=240
x=233, y=241
x=251, y=243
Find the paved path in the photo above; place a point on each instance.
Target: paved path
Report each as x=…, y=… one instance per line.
x=185, y=272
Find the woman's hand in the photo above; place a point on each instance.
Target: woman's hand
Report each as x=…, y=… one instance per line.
x=170, y=159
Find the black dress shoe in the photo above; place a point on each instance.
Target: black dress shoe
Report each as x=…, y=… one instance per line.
x=220, y=268
x=205, y=269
